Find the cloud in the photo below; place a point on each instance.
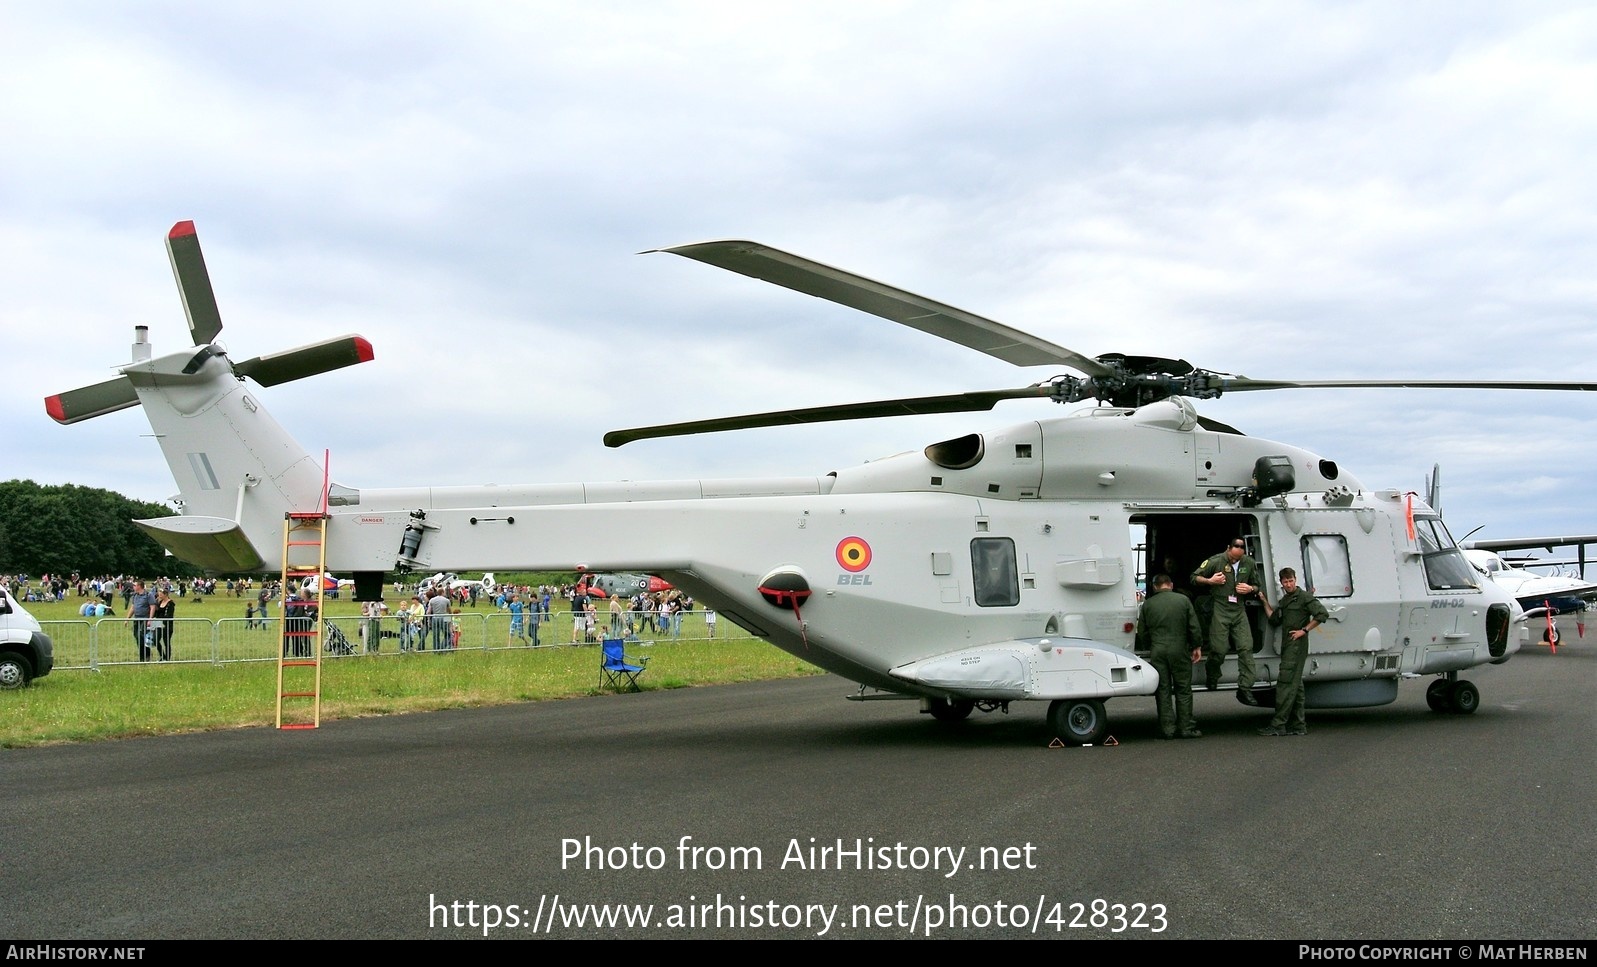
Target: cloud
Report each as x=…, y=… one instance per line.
x=1277, y=190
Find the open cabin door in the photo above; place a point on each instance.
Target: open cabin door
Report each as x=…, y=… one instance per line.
x=1175, y=543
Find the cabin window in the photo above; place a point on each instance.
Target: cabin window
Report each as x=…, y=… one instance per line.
x=1327, y=571
x=993, y=572
x=1446, y=568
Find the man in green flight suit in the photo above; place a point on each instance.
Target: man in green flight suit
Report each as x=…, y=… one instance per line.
x=1298, y=614
x=1167, y=626
x=1231, y=578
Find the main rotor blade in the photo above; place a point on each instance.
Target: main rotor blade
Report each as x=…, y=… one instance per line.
x=955, y=403
x=318, y=357
x=1235, y=384
x=1530, y=543
x=193, y=283
x=879, y=299
x=87, y=402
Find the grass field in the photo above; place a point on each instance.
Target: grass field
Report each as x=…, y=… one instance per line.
x=214, y=629
x=117, y=701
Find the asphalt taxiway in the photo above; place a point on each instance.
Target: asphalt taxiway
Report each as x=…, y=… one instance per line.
x=811, y=814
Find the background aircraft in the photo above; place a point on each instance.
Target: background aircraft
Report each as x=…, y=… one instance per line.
x=452, y=582
x=1542, y=595
x=1539, y=593
x=626, y=585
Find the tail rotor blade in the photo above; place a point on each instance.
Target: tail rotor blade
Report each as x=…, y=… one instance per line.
x=87, y=402
x=193, y=283
x=118, y=393
x=319, y=357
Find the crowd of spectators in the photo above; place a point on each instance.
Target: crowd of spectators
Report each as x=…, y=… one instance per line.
x=106, y=588
x=423, y=617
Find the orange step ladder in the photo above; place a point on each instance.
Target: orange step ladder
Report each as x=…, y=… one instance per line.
x=300, y=658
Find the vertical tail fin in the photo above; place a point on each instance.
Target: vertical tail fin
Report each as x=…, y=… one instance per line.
x=237, y=470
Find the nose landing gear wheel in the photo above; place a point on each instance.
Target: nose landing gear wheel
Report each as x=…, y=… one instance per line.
x=1463, y=697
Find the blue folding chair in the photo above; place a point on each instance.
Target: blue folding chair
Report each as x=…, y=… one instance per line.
x=614, y=669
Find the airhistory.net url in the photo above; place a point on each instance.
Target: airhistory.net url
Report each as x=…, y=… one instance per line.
x=554, y=915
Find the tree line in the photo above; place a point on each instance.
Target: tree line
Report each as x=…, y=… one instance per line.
x=65, y=528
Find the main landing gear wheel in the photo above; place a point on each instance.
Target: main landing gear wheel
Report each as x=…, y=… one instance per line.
x=1463, y=697
x=1078, y=721
x=944, y=710
x=1436, y=696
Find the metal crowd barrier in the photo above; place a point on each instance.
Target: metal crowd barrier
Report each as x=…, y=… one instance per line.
x=116, y=641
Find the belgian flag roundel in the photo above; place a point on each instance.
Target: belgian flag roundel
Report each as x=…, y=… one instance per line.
x=853, y=554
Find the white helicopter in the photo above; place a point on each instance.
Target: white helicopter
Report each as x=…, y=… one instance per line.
x=987, y=569
x=450, y=582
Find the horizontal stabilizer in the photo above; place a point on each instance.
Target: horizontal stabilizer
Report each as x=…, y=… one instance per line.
x=215, y=543
x=292, y=364
x=90, y=401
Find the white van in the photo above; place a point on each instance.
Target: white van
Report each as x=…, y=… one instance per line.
x=25, y=650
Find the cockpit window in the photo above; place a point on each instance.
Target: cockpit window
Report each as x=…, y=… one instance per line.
x=1446, y=568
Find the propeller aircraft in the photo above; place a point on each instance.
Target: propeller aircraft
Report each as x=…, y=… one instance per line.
x=1558, y=592
x=1542, y=595
x=991, y=568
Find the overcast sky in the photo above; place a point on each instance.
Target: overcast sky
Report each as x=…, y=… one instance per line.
x=1282, y=190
